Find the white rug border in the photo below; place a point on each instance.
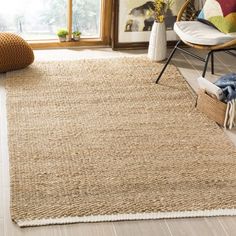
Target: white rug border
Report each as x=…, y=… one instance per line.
x=125, y=217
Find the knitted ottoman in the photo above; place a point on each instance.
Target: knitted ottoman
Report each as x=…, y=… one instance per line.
x=15, y=52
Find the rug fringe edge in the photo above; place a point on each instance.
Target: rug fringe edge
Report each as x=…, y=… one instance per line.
x=121, y=217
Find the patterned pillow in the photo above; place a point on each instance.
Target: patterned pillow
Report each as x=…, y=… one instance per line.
x=221, y=14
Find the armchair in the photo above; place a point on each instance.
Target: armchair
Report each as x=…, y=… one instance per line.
x=198, y=35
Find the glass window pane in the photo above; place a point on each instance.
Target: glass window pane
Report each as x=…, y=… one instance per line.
x=86, y=17
x=33, y=20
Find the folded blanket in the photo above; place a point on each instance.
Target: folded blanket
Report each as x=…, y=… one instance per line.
x=210, y=88
x=230, y=117
x=228, y=85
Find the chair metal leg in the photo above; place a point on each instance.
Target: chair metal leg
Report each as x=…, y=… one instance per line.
x=212, y=63
x=231, y=53
x=209, y=56
x=206, y=63
x=168, y=61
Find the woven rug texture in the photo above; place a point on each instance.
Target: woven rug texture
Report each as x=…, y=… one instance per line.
x=96, y=140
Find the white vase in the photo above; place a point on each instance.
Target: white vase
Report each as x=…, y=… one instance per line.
x=157, y=49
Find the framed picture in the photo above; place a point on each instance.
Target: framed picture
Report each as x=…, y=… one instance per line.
x=133, y=20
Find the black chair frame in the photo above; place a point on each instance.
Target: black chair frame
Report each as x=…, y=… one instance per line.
x=210, y=55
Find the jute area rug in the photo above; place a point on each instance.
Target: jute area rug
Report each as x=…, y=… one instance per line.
x=98, y=140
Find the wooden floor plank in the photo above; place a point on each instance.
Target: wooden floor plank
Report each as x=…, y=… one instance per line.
x=1, y=192
x=187, y=70
x=195, y=227
x=215, y=226
x=1, y=227
x=229, y=225
x=142, y=228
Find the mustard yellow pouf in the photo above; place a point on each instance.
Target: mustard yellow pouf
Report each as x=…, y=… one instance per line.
x=15, y=52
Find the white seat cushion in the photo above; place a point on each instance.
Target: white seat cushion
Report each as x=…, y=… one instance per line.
x=199, y=33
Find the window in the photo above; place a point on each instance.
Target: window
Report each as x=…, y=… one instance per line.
x=33, y=20
x=86, y=17
x=40, y=20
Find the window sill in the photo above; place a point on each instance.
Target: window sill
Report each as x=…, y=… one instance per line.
x=57, y=44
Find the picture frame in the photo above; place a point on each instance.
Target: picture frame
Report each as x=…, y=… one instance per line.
x=132, y=23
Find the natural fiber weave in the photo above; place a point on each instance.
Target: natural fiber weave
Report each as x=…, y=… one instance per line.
x=99, y=138
x=15, y=52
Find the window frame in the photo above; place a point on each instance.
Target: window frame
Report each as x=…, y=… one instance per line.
x=105, y=30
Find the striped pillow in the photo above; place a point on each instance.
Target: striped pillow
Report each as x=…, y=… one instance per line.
x=221, y=14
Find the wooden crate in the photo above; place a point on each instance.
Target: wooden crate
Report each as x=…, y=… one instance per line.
x=212, y=107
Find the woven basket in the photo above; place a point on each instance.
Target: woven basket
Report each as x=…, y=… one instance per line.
x=212, y=107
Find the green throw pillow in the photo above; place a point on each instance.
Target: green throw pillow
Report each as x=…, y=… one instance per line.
x=221, y=14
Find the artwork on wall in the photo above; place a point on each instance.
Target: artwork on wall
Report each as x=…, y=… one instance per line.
x=133, y=20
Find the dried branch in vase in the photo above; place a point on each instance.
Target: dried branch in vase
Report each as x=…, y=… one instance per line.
x=161, y=6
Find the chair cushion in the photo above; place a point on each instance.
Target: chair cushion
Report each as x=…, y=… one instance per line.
x=15, y=52
x=198, y=33
x=220, y=13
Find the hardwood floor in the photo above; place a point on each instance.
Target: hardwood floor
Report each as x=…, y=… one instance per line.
x=215, y=226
